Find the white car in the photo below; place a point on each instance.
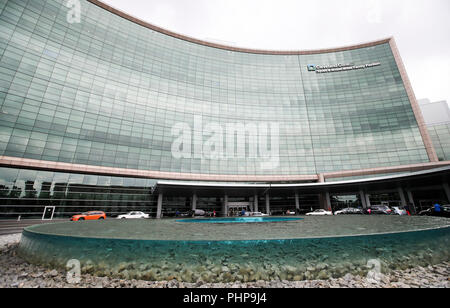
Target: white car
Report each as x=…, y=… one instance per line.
x=197, y=213
x=399, y=211
x=258, y=214
x=349, y=210
x=320, y=213
x=134, y=215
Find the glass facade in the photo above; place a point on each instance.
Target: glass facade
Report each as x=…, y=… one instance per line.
x=26, y=193
x=108, y=92
x=440, y=136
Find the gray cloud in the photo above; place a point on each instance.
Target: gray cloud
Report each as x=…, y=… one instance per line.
x=421, y=28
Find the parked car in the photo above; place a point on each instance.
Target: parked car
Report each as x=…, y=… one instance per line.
x=277, y=212
x=396, y=210
x=379, y=209
x=303, y=211
x=320, y=212
x=258, y=214
x=348, y=211
x=444, y=211
x=198, y=213
x=186, y=214
x=134, y=215
x=94, y=215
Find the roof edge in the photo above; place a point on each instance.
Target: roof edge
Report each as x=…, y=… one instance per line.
x=25, y=163
x=231, y=48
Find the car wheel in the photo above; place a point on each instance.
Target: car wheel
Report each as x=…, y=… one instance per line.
x=101, y=218
x=80, y=219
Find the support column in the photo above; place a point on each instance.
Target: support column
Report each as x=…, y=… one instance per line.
x=159, y=206
x=297, y=203
x=321, y=178
x=255, y=205
x=326, y=201
x=194, y=202
x=368, y=200
x=447, y=190
x=402, y=196
x=411, y=201
x=225, y=206
x=362, y=196
x=267, y=204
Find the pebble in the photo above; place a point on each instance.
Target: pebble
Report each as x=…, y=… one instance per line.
x=16, y=273
x=9, y=239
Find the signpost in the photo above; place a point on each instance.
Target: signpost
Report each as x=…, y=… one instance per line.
x=48, y=213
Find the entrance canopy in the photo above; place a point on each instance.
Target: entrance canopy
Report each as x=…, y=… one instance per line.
x=273, y=198
x=437, y=176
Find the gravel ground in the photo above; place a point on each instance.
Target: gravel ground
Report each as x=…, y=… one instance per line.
x=16, y=273
x=9, y=239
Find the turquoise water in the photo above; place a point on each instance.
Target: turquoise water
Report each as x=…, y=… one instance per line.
x=230, y=260
x=240, y=220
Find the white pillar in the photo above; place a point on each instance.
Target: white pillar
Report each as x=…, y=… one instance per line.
x=362, y=196
x=255, y=206
x=321, y=178
x=326, y=201
x=194, y=202
x=267, y=204
x=402, y=196
x=411, y=200
x=297, y=203
x=225, y=206
x=368, y=200
x=159, y=207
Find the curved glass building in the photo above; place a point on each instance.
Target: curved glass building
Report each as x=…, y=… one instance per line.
x=100, y=110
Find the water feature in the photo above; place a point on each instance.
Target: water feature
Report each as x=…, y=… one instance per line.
x=229, y=220
x=316, y=247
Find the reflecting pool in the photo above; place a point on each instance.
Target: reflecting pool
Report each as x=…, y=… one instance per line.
x=231, y=220
x=311, y=248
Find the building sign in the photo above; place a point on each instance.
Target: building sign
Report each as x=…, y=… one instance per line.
x=320, y=69
x=311, y=68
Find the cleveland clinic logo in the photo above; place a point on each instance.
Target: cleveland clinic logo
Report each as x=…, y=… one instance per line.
x=311, y=67
x=257, y=142
x=320, y=69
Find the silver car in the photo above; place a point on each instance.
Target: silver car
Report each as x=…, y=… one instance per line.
x=349, y=210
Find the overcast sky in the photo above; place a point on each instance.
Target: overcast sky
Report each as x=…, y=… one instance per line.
x=420, y=27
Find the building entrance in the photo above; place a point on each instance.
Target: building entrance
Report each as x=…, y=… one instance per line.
x=235, y=208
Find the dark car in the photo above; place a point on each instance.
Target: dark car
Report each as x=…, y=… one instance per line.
x=444, y=211
x=195, y=213
x=379, y=209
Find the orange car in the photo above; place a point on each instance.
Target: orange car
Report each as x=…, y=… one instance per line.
x=89, y=216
